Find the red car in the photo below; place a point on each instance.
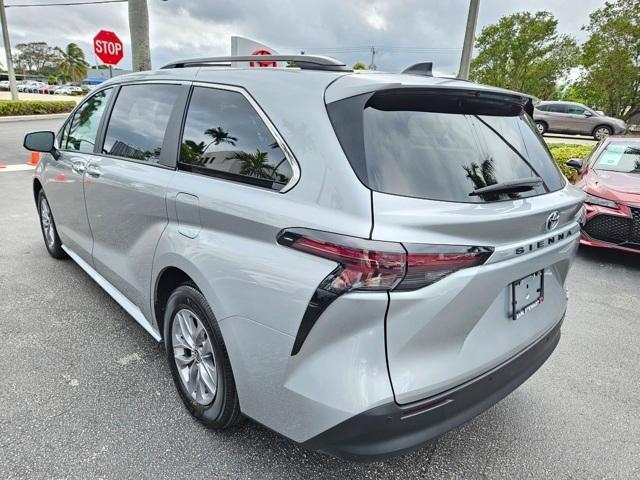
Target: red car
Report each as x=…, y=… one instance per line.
x=611, y=179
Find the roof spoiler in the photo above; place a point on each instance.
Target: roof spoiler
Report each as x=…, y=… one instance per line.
x=304, y=62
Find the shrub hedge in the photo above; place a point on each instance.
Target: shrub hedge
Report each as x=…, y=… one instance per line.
x=563, y=151
x=34, y=107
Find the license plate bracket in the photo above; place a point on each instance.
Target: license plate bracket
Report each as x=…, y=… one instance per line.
x=526, y=294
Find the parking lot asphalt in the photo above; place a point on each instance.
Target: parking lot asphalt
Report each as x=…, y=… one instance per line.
x=12, y=134
x=85, y=392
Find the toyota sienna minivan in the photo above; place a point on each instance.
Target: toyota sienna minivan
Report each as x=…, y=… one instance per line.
x=358, y=261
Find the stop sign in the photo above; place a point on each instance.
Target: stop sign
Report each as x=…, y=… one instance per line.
x=108, y=47
x=262, y=51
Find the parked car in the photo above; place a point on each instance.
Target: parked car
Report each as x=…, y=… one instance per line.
x=611, y=179
x=575, y=119
x=33, y=87
x=356, y=261
x=46, y=89
x=68, y=90
x=4, y=85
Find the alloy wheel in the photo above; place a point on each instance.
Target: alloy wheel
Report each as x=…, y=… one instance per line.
x=601, y=132
x=193, y=356
x=47, y=223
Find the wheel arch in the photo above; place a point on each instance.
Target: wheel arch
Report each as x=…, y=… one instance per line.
x=37, y=187
x=167, y=281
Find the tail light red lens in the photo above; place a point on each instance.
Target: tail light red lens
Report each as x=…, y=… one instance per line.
x=376, y=265
x=426, y=264
x=364, y=264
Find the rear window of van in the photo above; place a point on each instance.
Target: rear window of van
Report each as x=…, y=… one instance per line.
x=442, y=146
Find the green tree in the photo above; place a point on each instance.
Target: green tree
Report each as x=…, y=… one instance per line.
x=611, y=59
x=72, y=65
x=34, y=56
x=359, y=66
x=569, y=92
x=220, y=135
x=254, y=164
x=524, y=52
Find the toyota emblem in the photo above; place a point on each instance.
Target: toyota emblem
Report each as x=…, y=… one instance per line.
x=552, y=221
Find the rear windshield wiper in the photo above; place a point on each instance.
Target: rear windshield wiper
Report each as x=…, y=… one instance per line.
x=511, y=186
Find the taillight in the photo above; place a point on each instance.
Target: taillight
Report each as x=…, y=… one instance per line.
x=426, y=264
x=364, y=264
x=373, y=265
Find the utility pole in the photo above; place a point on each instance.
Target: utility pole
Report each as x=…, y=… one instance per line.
x=373, y=59
x=139, y=28
x=7, y=51
x=469, y=34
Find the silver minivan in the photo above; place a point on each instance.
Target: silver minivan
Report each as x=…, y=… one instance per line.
x=359, y=261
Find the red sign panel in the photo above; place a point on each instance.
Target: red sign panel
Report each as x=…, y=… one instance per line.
x=108, y=47
x=262, y=64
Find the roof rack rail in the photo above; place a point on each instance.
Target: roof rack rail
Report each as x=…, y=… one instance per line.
x=304, y=62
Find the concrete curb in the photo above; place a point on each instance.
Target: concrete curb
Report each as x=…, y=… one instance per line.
x=24, y=118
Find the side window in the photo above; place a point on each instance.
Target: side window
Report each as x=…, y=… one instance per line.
x=224, y=136
x=558, y=108
x=80, y=133
x=543, y=108
x=139, y=120
x=575, y=110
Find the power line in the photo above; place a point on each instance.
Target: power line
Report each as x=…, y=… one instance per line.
x=71, y=4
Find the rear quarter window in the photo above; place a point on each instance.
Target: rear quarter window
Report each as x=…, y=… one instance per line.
x=225, y=137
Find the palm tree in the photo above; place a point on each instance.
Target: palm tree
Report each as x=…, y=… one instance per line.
x=191, y=152
x=72, y=66
x=254, y=165
x=219, y=136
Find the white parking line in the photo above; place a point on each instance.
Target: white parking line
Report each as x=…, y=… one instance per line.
x=16, y=168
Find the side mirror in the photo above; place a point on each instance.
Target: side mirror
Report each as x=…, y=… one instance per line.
x=588, y=114
x=41, y=142
x=575, y=163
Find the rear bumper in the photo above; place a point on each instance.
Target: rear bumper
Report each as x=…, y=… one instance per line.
x=389, y=429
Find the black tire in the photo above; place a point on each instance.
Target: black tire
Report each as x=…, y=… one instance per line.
x=542, y=127
x=224, y=410
x=53, y=243
x=596, y=132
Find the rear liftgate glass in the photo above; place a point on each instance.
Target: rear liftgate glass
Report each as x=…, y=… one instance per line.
x=370, y=265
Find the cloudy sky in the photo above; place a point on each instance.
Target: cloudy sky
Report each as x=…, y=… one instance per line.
x=403, y=31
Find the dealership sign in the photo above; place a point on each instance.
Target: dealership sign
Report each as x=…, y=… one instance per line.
x=108, y=47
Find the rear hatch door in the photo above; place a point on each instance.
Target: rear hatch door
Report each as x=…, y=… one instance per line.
x=428, y=155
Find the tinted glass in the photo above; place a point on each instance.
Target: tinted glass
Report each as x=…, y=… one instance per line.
x=543, y=108
x=81, y=132
x=139, y=120
x=445, y=154
x=620, y=157
x=557, y=108
x=224, y=136
x=575, y=110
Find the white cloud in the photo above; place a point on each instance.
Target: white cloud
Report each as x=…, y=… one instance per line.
x=404, y=31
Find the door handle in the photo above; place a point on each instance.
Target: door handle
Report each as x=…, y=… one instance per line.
x=78, y=167
x=94, y=171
